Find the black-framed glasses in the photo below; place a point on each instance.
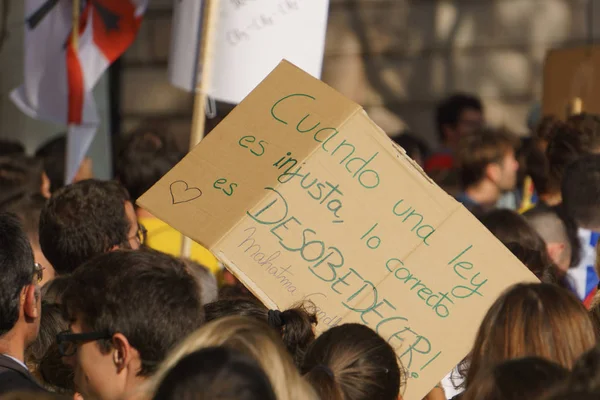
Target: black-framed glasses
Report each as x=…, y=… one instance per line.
x=38, y=273
x=67, y=341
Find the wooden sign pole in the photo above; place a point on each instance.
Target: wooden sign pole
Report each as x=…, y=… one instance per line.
x=75, y=28
x=209, y=18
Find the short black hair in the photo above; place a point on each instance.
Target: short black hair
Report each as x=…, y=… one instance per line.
x=148, y=296
x=82, y=220
x=449, y=110
x=581, y=191
x=412, y=144
x=144, y=157
x=16, y=269
x=477, y=151
x=567, y=141
x=537, y=167
x=28, y=207
x=54, y=155
x=216, y=372
x=19, y=174
x=9, y=147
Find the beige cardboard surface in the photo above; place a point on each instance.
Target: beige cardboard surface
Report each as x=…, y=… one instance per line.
x=345, y=220
x=570, y=74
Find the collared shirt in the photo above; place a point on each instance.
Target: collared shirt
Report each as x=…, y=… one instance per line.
x=21, y=363
x=475, y=208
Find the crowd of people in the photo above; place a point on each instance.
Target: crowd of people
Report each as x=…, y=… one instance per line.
x=95, y=302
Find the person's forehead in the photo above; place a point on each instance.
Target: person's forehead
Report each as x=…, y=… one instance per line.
x=471, y=114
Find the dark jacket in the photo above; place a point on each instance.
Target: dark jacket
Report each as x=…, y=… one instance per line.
x=13, y=377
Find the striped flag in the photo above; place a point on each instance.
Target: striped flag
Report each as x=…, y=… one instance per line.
x=58, y=78
x=583, y=277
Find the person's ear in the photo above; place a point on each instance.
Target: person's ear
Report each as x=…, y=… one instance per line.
x=493, y=172
x=30, y=302
x=123, y=352
x=45, y=188
x=555, y=251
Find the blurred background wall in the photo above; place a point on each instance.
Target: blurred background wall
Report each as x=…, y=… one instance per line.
x=395, y=57
x=16, y=125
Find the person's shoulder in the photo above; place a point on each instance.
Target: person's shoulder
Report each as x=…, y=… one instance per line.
x=14, y=377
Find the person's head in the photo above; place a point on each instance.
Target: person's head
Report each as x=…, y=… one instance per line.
x=352, y=362
x=552, y=228
x=215, y=373
x=488, y=156
x=21, y=174
x=537, y=167
x=415, y=148
x=581, y=191
x=10, y=147
x=207, y=282
x=585, y=375
x=522, y=378
x=532, y=320
x=252, y=338
x=516, y=234
x=28, y=207
x=43, y=358
x=144, y=157
x=589, y=126
x=127, y=310
x=20, y=303
x=295, y=325
x=568, y=141
x=457, y=116
x=54, y=155
x=52, y=292
x=85, y=219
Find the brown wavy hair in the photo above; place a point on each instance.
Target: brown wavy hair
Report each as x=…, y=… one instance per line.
x=531, y=320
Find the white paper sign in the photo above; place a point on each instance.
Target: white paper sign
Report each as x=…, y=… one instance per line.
x=185, y=36
x=252, y=37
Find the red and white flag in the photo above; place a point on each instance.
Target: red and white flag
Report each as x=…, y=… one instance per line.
x=59, y=79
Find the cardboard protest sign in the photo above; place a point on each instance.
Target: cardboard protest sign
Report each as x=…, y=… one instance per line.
x=252, y=36
x=303, y=197
x=570, y=74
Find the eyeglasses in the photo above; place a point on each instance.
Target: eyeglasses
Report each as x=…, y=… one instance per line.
x=67, y=341
x=38, y=273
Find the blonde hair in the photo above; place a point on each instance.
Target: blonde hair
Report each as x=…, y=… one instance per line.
x=253, y=338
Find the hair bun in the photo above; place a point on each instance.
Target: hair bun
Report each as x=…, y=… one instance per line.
x=275, y=318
